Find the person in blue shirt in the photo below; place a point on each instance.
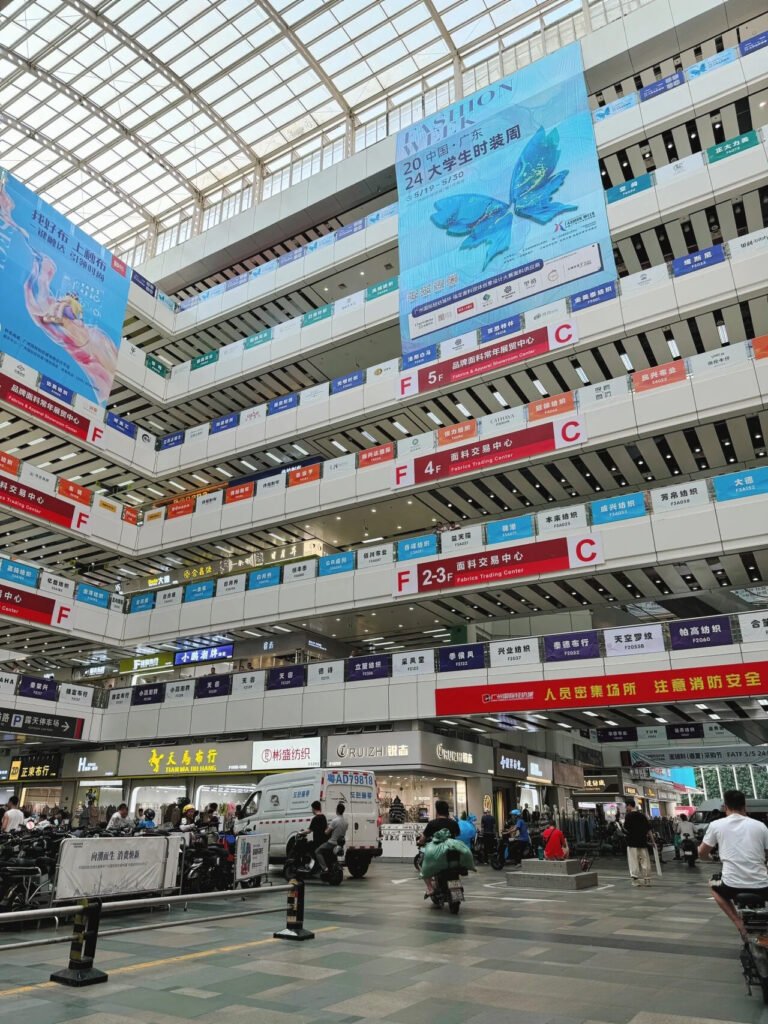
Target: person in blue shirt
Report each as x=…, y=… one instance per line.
x=467, y=829
x=520, y=839
x=148, y=821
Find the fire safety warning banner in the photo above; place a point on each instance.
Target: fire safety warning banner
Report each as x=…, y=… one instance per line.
x=662, y=686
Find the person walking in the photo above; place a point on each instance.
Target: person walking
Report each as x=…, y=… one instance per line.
x=488, y=833
x=636, y=829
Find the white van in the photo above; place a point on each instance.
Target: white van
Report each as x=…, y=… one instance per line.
x=281, y=806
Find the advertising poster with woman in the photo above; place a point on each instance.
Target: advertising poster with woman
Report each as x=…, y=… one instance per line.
x=63, y=295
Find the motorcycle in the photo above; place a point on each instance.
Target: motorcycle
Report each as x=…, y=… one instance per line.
x=205, y=867
x=447, y=887
x=502, y=856
x=27, y=870
x=754, y=953
x=689, y=851
x=302, y=864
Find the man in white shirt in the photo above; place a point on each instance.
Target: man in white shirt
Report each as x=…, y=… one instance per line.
x=119, y=821
x=743, y=847
x=13, y=817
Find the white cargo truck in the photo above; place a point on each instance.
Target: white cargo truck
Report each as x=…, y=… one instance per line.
x=281, y=807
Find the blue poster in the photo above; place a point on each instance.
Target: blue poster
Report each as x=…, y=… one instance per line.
x=501, y=531
x=501, y=206
x=86, y=593
x=18, y=572
x=420, y=356
x=663, y=85
x=741, y=485
x=260, y=578
x=64, y=295
x=332, y=565
x=417, y=547
x=199, y=591
x=629, y=188
x=613, y=510
x=695, y=261
x=142, y=602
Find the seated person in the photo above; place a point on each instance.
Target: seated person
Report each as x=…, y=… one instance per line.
x=555, y=843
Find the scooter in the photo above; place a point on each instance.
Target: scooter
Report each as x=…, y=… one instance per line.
x=447, y=887
x=302, y=864
x=689, y=851
x=754, y=953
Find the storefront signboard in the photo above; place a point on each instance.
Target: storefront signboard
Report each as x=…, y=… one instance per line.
x=407, y=749
x=326, y=672
x=151, y=693
x=625, y=642
x=269, y=755
x=511, y=763
x=185, y=759
x=754, y=627
x=461, y=658
x=516, y=651
x=692, y=634
x=371, y=666
x=568, y=775
x=92, y=764
x=183, y=692
x=247, y=684
x=147, y=662
x=213, y=686
x=287, y=677
x=413, y=663
x=30, y=768
x=539, y=769
x=572, y=646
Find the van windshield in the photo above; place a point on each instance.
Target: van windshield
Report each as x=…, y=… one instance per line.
x=251, y=805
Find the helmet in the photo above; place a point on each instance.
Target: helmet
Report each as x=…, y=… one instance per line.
x=187, y=808
x=516, y=813
x=149, y=814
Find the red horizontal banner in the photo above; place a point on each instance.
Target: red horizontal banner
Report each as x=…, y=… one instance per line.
x=42, y=407
x=494, y=356
x=375, y=456
x=544, y=437
x=24, y=498
x=679, y=684
x=484, y=568
x=18, y=604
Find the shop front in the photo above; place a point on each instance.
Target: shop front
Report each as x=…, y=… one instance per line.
x=533, y=792
x=36, y=781
x=510, y=772
x=567, y=780
x=91, y=785
x=413, y=770
x=602, y=793
x=225, y=774
x=165, y=777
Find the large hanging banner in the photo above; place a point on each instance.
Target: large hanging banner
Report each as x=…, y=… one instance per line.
x=501, y=206
x=64, y=295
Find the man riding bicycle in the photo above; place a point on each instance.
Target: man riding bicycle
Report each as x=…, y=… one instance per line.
x=742, y=843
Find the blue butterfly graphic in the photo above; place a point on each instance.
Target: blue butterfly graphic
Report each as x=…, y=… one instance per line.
x=488, y=221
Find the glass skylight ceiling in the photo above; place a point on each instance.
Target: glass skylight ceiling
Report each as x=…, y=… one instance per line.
x=121, y=111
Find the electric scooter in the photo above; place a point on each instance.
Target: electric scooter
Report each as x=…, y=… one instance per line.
x=302, y=864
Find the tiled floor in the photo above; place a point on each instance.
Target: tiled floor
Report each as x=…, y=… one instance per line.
x=615, y=955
